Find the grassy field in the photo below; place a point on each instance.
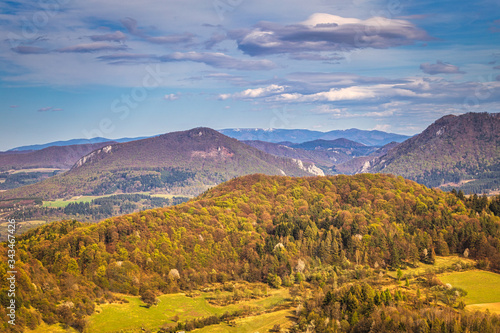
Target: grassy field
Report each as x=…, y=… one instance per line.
x=481, y=286
x=61, y=203
x=440, y=263
x=133, y=315
x=260, y=323
x=34, y=170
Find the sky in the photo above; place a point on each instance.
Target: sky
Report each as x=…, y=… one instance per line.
x=120, y=68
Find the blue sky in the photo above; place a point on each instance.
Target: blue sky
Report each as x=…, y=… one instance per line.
x=76, y=69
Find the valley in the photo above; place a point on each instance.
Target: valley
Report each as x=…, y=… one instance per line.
x=251, y=307
x=33, y=213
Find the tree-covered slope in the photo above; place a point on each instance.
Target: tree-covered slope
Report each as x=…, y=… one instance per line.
x=253, y=228
x=187, y=162
x=455, y=151
x=51, y=157
x=321, y=158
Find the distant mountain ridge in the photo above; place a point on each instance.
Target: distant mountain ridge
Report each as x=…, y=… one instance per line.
x=324, y=159
x=188, y=162
x=323, y=153
x=369, y=138
x=73, y=142
x=326, y=144
x=460, y=152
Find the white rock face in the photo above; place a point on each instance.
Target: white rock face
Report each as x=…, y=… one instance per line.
x=312, y=169
x=92, y=155
x=366, y=166
x=315, y=170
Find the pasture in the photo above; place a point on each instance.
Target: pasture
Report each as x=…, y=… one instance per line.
x=483, y=288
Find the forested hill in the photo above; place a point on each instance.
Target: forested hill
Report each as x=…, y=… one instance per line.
x=250, y=228
x=454, y=152
x=50, y=157
x=187, y=162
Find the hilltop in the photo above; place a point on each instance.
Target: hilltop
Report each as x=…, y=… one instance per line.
x=460, y=152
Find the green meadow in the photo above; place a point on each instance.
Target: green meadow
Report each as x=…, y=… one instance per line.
x=441, y=263
x=483, y=288
x=61, y=203
x=133, y=315
x=259, y=323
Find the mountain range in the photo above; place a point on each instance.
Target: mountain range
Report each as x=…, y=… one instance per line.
x=459, y=152
x=368, y=138
x=323, y=153
x=187, y=162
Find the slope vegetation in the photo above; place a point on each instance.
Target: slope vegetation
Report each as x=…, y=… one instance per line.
x=183, y=162
x=256, y=228
x=455, y=151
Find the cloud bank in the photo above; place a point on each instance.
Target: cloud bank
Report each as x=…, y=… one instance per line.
x=326, y=32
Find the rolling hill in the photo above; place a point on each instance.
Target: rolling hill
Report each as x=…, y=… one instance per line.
x=60, y=157
x=460, y=152
x=331, y=240
x=20, y=168
x=185, y=162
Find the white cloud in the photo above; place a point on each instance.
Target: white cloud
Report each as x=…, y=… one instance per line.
x=272, y=89
x=326, y=32
x=328, y=109
x=382, y=127
x=171, y=97
x=354, y=93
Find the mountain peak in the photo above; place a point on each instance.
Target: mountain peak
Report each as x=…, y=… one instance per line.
x=458, y=151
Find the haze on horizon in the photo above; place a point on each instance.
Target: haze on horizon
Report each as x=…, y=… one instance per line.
x=75, y=69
